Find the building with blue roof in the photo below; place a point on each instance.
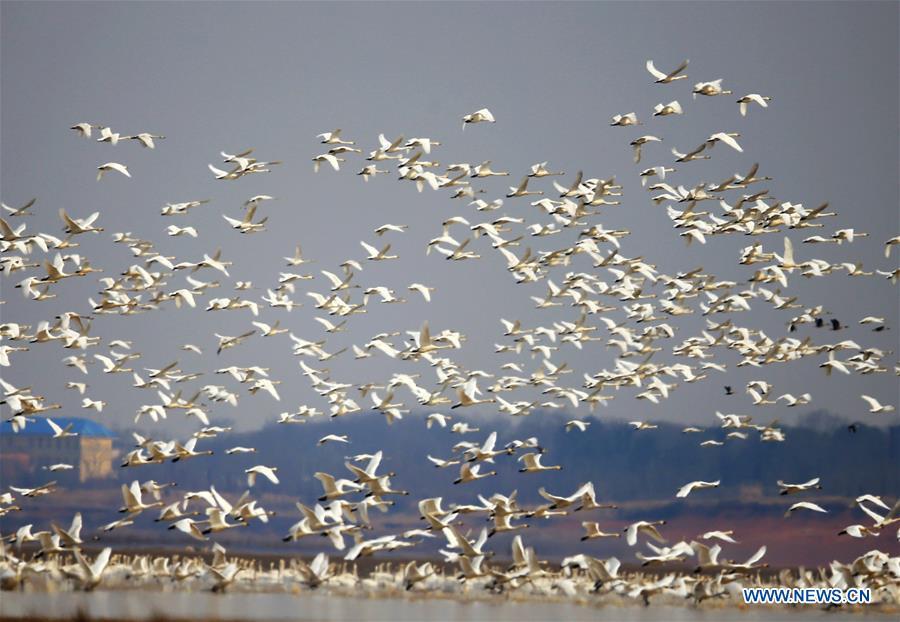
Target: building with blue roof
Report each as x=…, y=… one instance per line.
x=29, y=453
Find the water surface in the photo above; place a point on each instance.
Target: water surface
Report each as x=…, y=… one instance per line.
x=317, y=607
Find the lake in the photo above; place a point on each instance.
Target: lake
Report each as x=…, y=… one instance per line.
x=310, y=607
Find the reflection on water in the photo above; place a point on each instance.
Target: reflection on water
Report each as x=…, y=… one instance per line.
x=135, y=605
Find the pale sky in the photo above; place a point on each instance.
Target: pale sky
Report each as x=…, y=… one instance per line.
x=229, y=76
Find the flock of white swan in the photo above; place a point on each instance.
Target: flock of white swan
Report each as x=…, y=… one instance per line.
x=601, y=296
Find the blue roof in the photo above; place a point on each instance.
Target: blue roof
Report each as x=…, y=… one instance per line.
x=40, y=427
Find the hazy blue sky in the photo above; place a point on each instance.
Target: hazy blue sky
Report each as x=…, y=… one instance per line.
x=228, y=76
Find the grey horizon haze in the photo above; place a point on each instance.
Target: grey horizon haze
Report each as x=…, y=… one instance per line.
x=230, y=76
